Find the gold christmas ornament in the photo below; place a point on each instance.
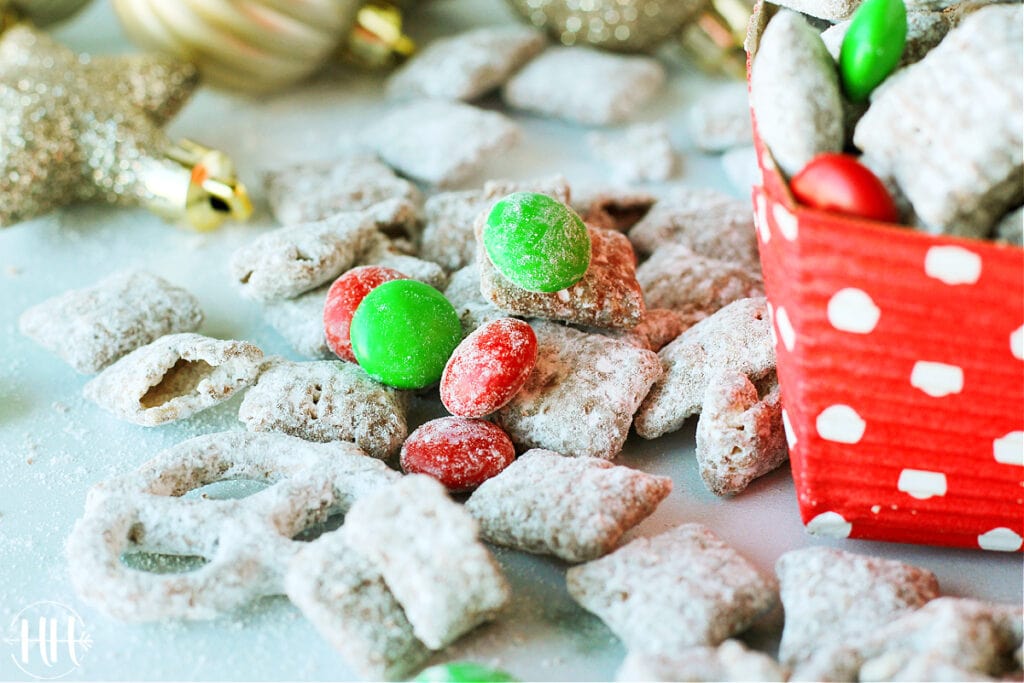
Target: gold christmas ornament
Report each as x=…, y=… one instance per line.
x=80, y=128
x=621, y=25
x=261, y=45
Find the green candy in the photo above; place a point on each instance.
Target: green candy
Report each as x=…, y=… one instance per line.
x=872, y=47
x=403, y=333
x=537, y=242
x=463, y=672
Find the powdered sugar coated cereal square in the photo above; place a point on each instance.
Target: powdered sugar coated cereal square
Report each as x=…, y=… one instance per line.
x=580, y=398
x=463, y=291
x=326, y=401
x=466, y=65
x=585, y=85
x=303, y=193
x=573, y=508
x=346, y=599
x=612, y=208
x=679, y=589
x=833, y=598
x=642, y=152
x=300, y=322
x=174, y=377
x=739, y=433
x=439, y=142
x=720, y=119
x=736, y=338
x=425, y=545
x=91, y=328
x=694, y=286
x=730, y=661
x=709, y=222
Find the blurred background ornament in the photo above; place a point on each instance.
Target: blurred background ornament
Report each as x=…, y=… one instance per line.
x=261, y=45
x=621, y=25
x=710, y=32
x=45, y=12
x=77, y=128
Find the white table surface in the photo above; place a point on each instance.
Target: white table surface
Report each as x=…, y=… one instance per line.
x=54, y=444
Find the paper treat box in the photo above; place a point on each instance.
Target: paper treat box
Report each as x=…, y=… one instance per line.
x=901, y=364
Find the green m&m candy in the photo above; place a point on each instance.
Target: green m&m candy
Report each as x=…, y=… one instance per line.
x=872, y=46
x=403, y=333
x=537, y=242
x=463, y=672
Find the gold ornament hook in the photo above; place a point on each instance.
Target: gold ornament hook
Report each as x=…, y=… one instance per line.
x=198, y=185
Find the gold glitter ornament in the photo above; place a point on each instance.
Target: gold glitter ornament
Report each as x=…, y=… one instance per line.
x=77, y=128
x=620, y=25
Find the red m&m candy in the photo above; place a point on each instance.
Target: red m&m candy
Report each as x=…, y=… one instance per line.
x=488, y=368
x=344, y=296
x=458, y=452
x=840, y=183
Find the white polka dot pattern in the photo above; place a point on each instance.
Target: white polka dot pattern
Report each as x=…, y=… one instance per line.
x=786, y=222
x=953, y=265
x=787, y=426
x=830, y=524
x=840, y=424
x=922, y=484
x=786, y=331
x=937, y=379
x=852, y=310
x=1009, y=449
x=1017, y=343
x=762, y=219
x=1001, y=539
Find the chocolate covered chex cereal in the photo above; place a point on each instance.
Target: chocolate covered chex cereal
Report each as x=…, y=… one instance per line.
x=709, y=222
x=607, y=296
x=730, y=661
x=973, y=75
x=466, y=65
x=90, y=328
x=573, y=508
x=326, y=401
x=833, y=599
x=585, y=85
x=288, y=261
x=679, y=589
x=694, y=286
x=580, y=398
x=966, y=638
x=304, y=193
x=794, y=91
x=463, y=291
x=425, y=545
x=659, y=327
x=174, y=377
x=246, y=542
x=735, y=339
x=301, y=322
x=439, y=142
x=382, y=251
x=739, y=433
x=641, y=152
x=346, y=599
x=720, y=120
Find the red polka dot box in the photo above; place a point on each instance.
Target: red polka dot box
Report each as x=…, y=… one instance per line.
x=901, y=363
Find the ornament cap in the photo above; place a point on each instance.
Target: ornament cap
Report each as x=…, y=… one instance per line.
x=198, y=185
x=376, y=39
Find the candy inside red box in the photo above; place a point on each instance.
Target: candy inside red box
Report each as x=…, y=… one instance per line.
x=901, y=363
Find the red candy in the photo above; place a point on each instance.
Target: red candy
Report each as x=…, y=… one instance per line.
x=344, y=296
x=487, y=369
x=458, y=452
x=840, y=183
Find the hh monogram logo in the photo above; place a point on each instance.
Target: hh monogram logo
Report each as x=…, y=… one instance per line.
x=47, y=640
